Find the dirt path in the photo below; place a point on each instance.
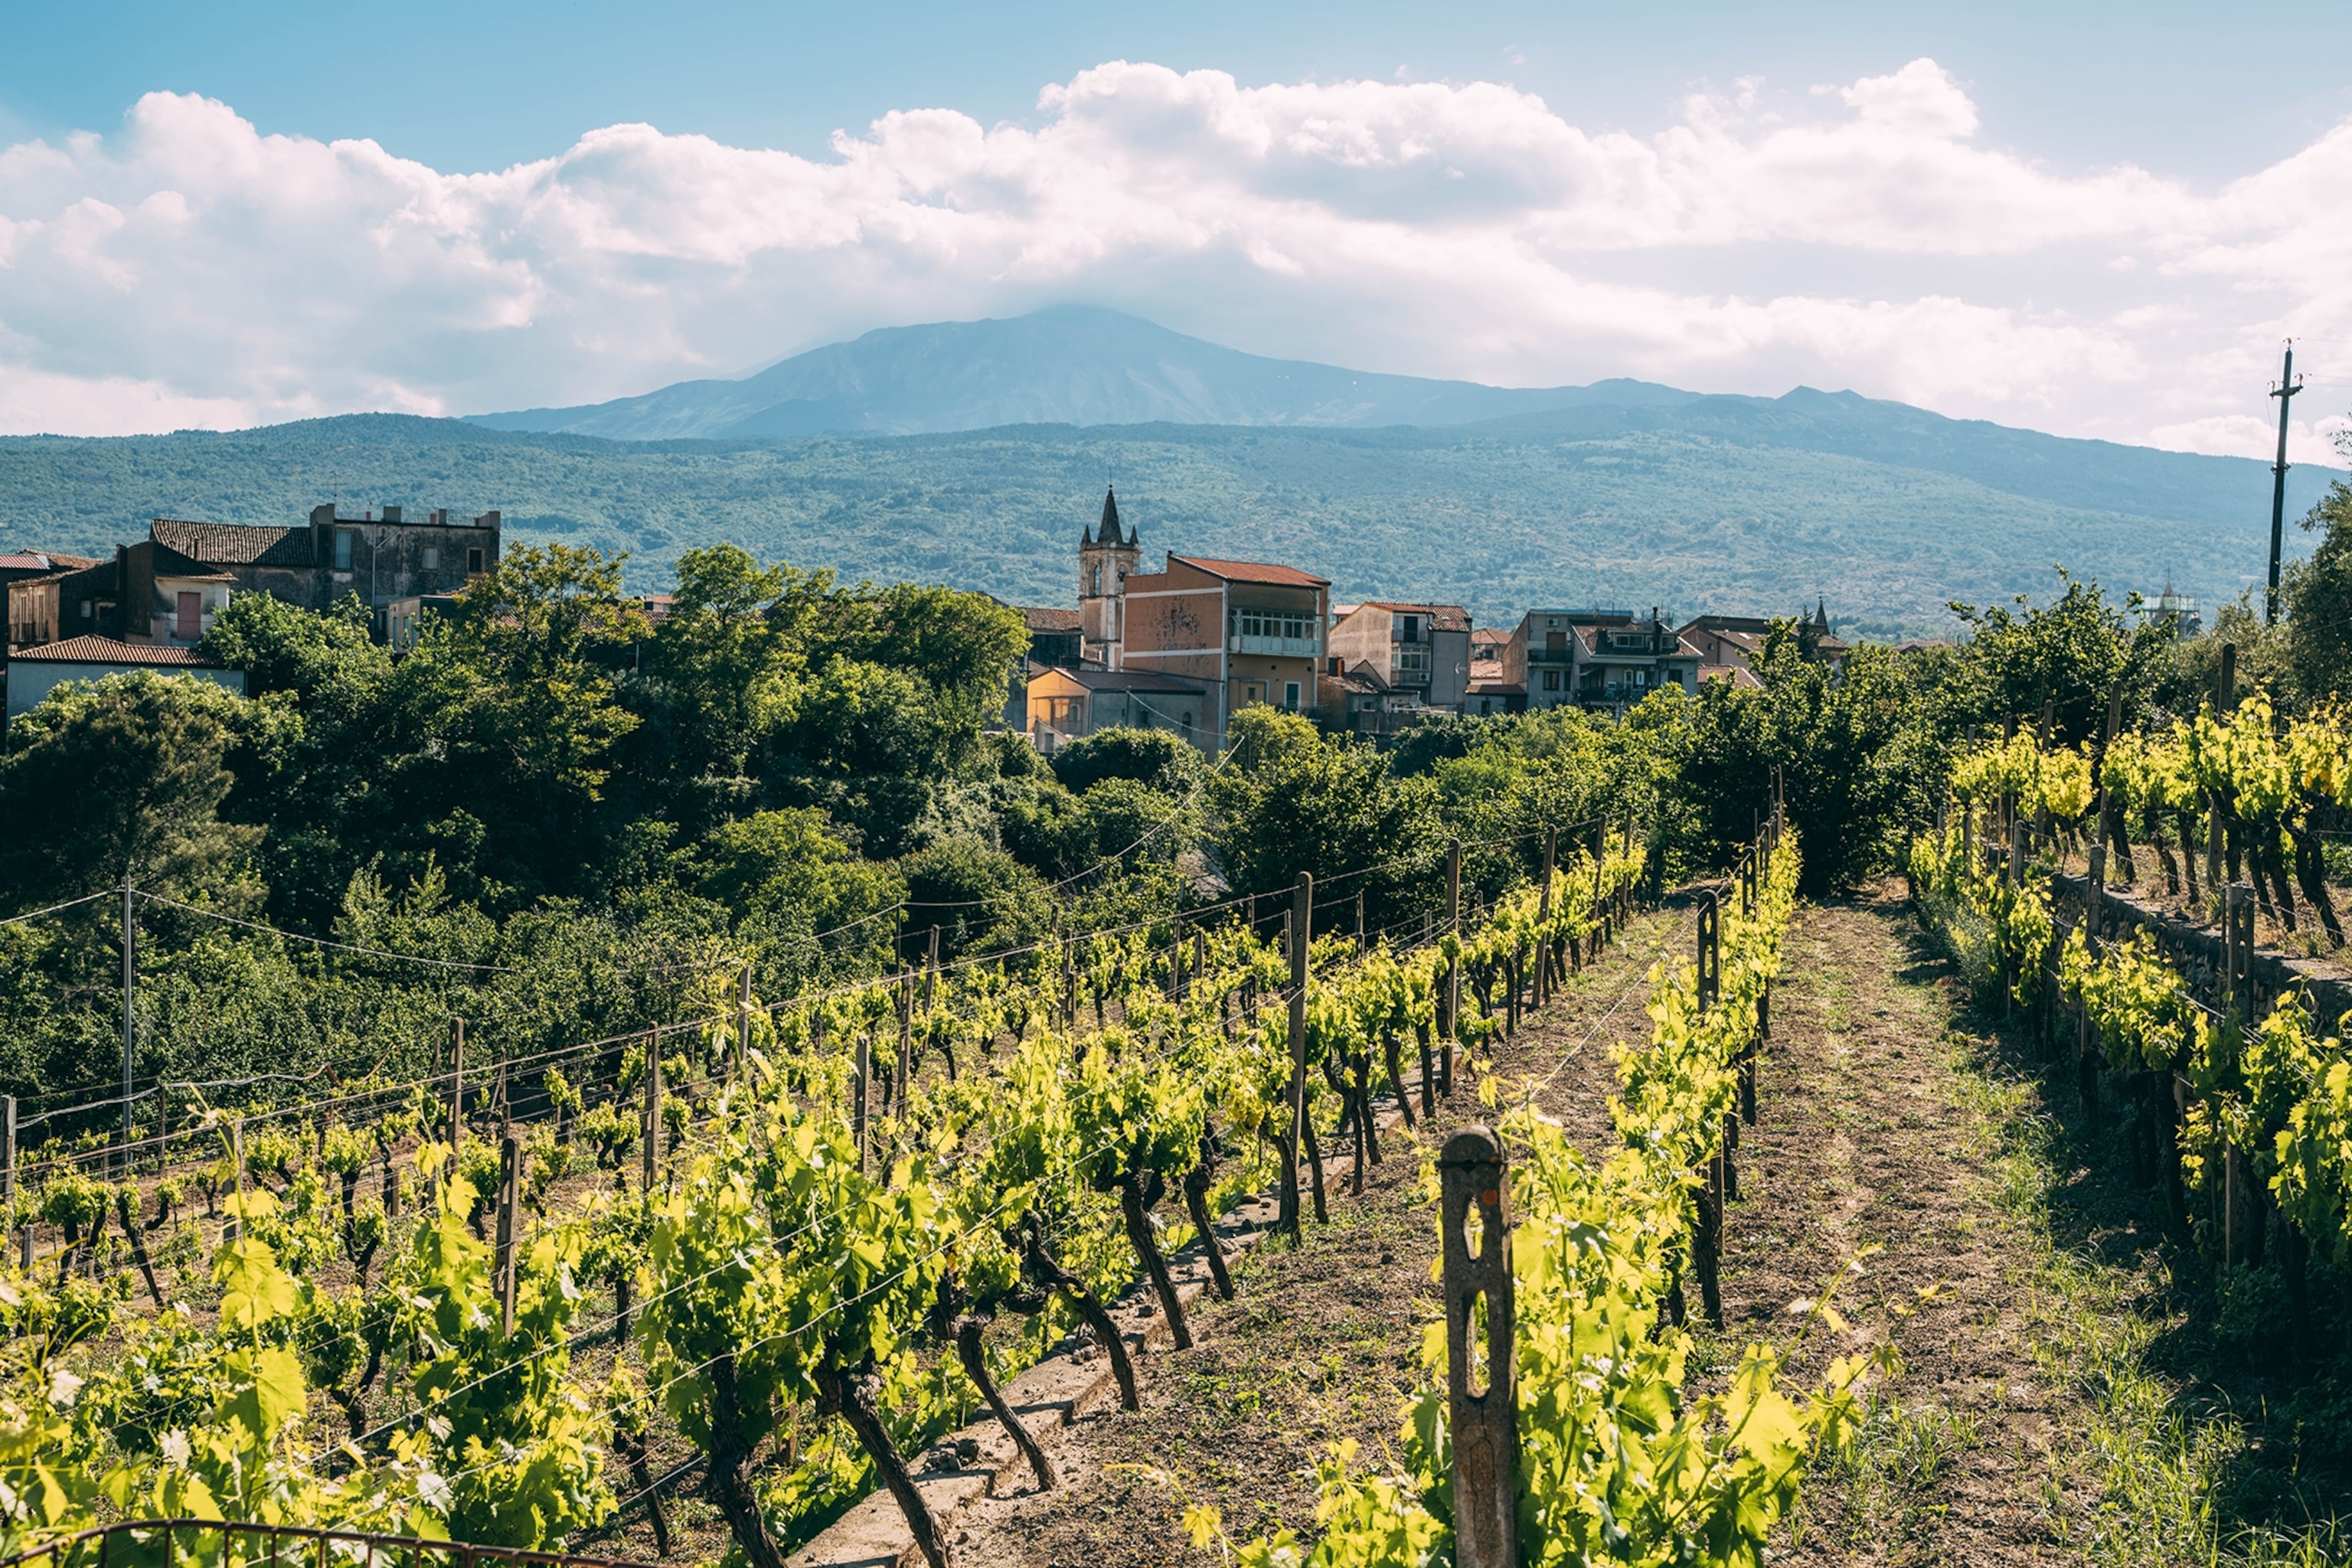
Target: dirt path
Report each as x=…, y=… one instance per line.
x=1874, y=1132
x=1321, y=1343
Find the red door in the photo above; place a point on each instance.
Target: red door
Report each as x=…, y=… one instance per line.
x=191, y=627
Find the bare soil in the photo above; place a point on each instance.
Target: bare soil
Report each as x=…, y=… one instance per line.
x=1868, y=1169
x=1320, y=1344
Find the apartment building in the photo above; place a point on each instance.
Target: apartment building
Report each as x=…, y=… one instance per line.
x=1420, y=650
x=1602, y=660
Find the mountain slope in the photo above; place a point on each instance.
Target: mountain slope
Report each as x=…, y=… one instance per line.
x=1068, y=366
x=1496, y=518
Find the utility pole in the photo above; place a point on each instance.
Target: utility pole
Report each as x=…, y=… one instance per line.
x=2284, y=391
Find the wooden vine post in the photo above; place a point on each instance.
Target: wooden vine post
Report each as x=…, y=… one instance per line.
x=1302, y=907
x=235, y=1229
x=1706, y=1234
x=509, y=1189
x=1484, y=1421
x=743, y=1022
x=2225, y=695
x=457, y=1088
x=905, y=1068
x=1543, y=917
x=859, y=1088
x=1452, y=1000
x=651, y=1155
x=8, y=1169
x=1176, y=957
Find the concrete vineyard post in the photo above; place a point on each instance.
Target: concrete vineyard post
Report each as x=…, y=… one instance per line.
x=932, y=969
x=509, y=1182
x=1360, y=948
x=1301, y=924
x=1483, y=1422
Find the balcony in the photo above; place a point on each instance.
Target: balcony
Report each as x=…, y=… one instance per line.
x=1276, y=648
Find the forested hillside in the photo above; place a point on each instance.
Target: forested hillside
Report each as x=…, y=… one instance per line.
x=1732, y=505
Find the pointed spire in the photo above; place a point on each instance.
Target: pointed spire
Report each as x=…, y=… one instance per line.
x=1108, y=532
x=1822, y=612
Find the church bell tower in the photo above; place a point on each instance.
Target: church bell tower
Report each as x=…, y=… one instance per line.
x=1104, y=558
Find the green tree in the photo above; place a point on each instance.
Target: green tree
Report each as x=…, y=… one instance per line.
x=124, y=777
x=1831, y=739
x=981, y=899
x=793, y=865
x=1299, y=802
x=2069, y=653
x=2318, y=602
x=1154, y=757
x=729, y=656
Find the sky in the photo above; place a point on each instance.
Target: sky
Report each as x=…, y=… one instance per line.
x=2098, y=222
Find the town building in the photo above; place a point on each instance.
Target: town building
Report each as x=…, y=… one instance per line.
x=2187, y=619
x=1602, y=660
x=1055, y=637
x=29, y=580
x=1730, y=646
x=1063, y=705
x=34, y=672
x=169, y=586
x=1490, y=692
x=1420, y=650
x=1235, y=632
x=1247, y=631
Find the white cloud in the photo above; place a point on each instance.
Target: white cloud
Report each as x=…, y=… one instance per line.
x=187, y=269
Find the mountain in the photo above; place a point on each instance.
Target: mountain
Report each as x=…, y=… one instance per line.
x=1753, y=505
x=1068, y=366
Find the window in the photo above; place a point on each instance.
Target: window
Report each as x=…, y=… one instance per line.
x=1290, y=694
x=1411, y=631
x=188, y=624
x=1297, y=625
x=1413, y=660
x=432, y=558
x=473, y=563
x=1551, y=680
x=342, y=552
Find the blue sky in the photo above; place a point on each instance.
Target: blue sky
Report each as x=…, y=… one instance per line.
x=2197, y=91
x=2093, y=219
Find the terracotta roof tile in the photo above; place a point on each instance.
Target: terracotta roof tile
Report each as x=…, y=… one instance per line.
x=235, y=543
x=1255, y=571
x=1049, y=620
x=92, y=649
